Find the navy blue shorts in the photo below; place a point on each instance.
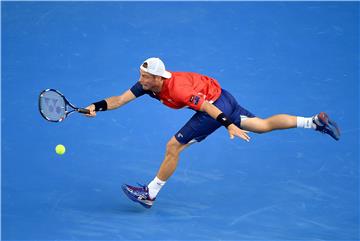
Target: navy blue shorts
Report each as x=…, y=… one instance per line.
x=201, y=124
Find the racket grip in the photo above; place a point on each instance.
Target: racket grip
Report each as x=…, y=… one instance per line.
x=83, y=111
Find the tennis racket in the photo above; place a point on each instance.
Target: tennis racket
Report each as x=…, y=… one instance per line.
x=54, y=107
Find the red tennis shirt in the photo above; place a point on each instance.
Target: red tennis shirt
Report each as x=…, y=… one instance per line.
x=184, y=89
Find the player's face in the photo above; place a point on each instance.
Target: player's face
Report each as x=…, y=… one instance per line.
x=149, y=81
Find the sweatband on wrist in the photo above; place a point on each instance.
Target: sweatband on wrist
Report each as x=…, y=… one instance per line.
x=100, y=105
x=223, y=120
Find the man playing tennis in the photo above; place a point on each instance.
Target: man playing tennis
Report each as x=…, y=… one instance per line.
x=214, y=106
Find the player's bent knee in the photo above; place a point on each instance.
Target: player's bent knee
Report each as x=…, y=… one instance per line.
x=173, y=147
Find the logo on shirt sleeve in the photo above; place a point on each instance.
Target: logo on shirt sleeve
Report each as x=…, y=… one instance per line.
x=194, y=99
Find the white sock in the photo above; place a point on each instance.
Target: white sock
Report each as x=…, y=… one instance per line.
x=303, y=122
x=155, y=187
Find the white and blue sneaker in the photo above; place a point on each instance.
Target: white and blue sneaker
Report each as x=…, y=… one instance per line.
x=138, y=194
x=327, y=126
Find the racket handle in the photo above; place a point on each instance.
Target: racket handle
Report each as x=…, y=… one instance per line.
x=83, y=111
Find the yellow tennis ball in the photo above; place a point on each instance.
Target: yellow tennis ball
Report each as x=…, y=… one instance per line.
x=60, y=149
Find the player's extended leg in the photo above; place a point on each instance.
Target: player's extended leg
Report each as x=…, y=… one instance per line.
x=276, y=122
x=196, y=129
x=320, y=122
x=145, y=195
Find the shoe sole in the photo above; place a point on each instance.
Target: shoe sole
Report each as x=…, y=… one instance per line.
x=334, y=128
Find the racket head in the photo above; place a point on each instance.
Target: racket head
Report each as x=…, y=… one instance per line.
x=52, y=105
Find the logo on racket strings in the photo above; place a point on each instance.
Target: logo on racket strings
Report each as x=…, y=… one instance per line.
x=51, y=105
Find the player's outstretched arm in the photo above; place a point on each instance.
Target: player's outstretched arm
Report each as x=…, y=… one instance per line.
x=217, y=114
x=111, y=103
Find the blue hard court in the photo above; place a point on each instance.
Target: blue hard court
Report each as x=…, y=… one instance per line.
x=298, y=58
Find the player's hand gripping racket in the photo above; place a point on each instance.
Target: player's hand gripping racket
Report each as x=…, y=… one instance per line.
x=53, y=106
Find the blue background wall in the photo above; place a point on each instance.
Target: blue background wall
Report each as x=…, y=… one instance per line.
x=298, y=58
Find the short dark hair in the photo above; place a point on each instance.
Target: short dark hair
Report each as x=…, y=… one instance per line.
x=145, y=65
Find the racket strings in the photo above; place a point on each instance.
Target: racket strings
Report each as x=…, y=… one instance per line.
x=52, y=106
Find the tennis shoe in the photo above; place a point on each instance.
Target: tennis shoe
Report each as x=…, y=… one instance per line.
x=138, y=194
x=327, y=126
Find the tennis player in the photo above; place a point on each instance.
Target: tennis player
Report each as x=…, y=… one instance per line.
x=214, y=107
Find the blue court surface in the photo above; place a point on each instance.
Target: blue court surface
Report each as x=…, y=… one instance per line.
x=298, y=58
